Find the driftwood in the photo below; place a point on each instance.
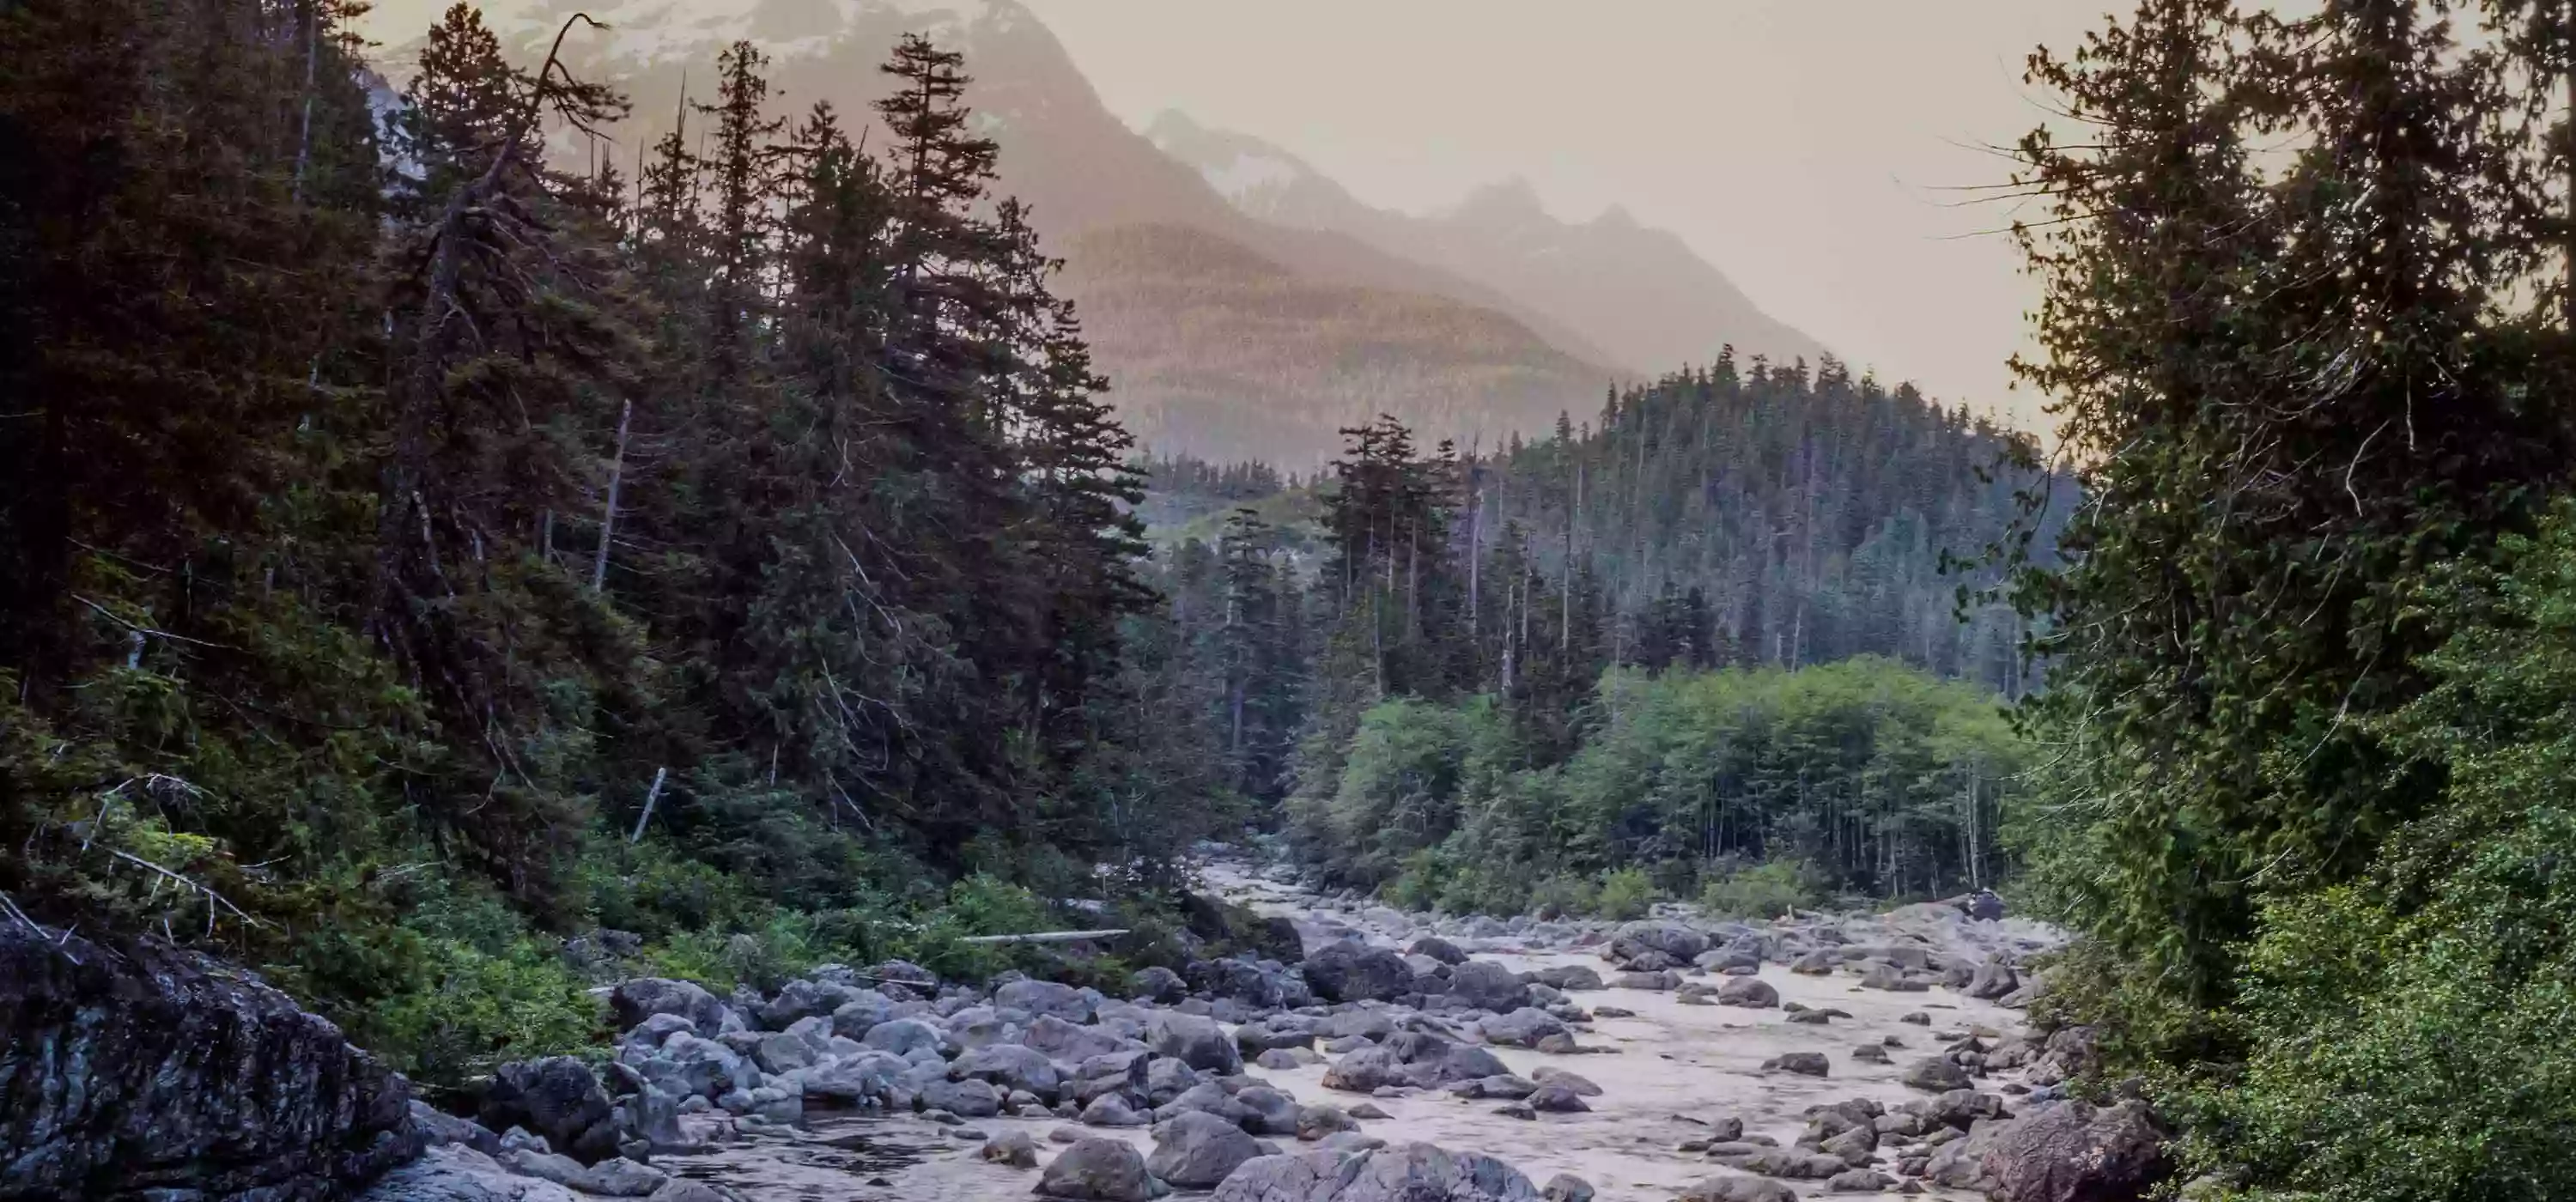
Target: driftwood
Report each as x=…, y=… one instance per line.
x=1044, y=937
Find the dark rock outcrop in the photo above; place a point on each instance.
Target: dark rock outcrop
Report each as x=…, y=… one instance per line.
x=146, y=1071
x=558, y=1098
x=1349, y=972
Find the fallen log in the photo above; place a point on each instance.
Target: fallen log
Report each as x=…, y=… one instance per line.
x=1044, y=937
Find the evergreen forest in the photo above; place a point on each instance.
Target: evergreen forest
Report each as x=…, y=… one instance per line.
x=437, y=535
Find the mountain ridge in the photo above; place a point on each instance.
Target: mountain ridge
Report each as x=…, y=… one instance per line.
x=1638, y=292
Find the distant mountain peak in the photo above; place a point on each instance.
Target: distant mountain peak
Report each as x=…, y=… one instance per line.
x=1613, y=283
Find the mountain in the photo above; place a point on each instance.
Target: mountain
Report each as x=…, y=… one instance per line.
x=1641, y=294
x=1338, y=328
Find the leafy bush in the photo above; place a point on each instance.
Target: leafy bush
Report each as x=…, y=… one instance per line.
x=474, y=1010
x=1562, y=896
x=1625, y=893
x=2407, y=1032
x=1765, y=890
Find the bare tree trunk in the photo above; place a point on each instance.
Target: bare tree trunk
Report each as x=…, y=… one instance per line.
x=651, y=796
x=312, y=53
x=608, y=519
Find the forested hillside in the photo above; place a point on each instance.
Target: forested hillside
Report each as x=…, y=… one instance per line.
x=1702, y=639
x=407, y=567
x=2309, y=318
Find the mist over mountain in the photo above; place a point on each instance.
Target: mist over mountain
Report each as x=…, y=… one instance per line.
x=1640, y=294
x=1329, y=329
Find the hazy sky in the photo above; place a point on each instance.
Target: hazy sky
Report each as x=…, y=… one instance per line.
x=1809, y=148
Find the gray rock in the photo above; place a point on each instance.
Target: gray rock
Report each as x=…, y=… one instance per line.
x=1197, y=1042
x=1404, y=1173
x=124, y=1072
x=1012, y=1148
x=1566, y=1187
x=1858, y=1181
x=2075, y=1152
x=455, y=1173
x=1549, y=1074
x=1568, y=977
x=1321, y=1121
x=437, y=1128
x=1805, y=1064
x=861, y=1012
x=1012, y=1067
x=1097, y=1170
x=1195, y=1150
x=634, y=1001
x=1047, y=997
x=903, y=1036
x=969, y=1098
x=1736, y=1189
x=1349, y=972
x=1112, y=1110
x=1521, y=1028
x=801, y=999
x=1992, y=979
x=1936, y=1075
x=1556, y=1099
x=781, y=1052
x=1438, y=949
x=1486, y=985
x=1752, y=993
x=1675, y=942
x=1157, y=984
x=1268, y=1111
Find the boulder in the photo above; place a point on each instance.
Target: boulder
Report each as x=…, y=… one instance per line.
x=1521, y=1028
x=1556, y=1099
x=968, y=1099
x=1805, y=1064
x=861, y=1012
x=691, y=1066
x=1486, y=985
x=1935, y=1075
x=1157, y=984
x=455, y=1173
x=1113, y=1110
x=2075, y=1152
x=1568, y=977
x=1097, y=1170
x=903, y=1036
x=1736, y=1189
x=1548, y=1074
x=1566, y=1187
x=149, y=1071
x=1351, y=972
x=1438, y=949
x=1195, y=1150
x=1040, y=998
x=558, y=1098
x=1266, y=1111
x=1011, y=1067
x=1320, y=1121
x=1405, y=1173
x=1673, y=941
x=1752, y=993
x=1992, y=979
x=1013, y=1149
x=642, y=998
x=1194, y=1041
x=802, y=999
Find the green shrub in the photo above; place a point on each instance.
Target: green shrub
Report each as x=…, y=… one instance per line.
x=473, y=1010
x=1563, y=896
x=1625, y=893
x=1765, y=890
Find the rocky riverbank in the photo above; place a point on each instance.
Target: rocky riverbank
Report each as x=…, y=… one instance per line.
x=1663, y=1059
